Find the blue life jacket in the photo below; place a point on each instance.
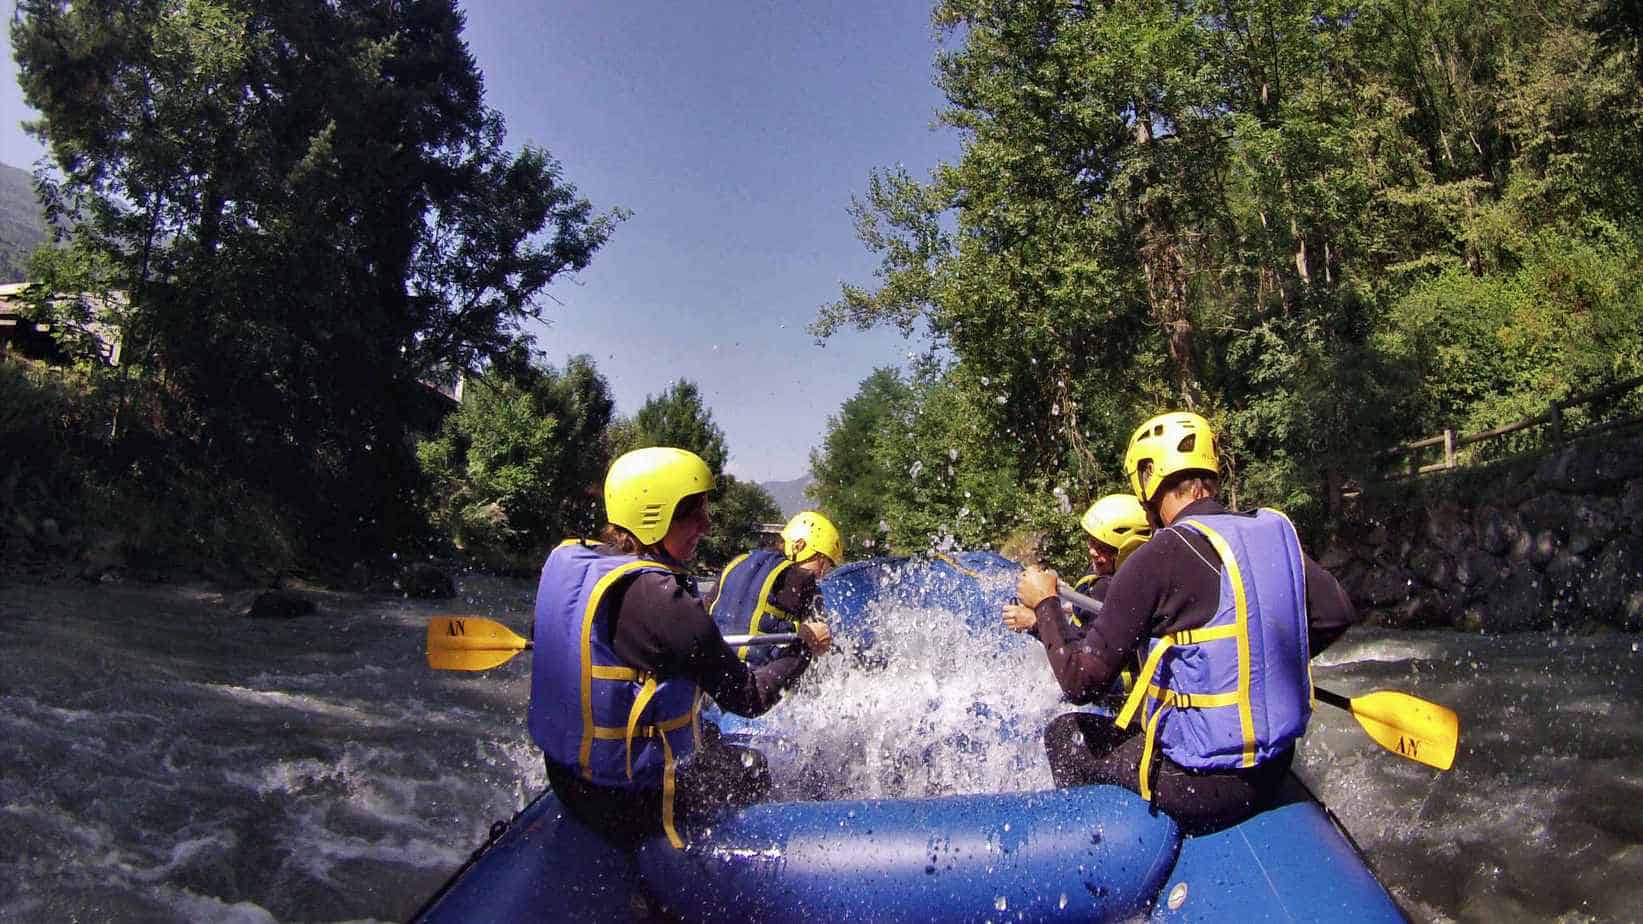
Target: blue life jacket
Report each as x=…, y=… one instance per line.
x=590, y=711
x=1238, y=690
x=743, y=605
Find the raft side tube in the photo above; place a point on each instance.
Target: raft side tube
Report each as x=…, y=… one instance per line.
x=1290, y=863
x=1093, y=853
x=974, y=586
x=546, y=867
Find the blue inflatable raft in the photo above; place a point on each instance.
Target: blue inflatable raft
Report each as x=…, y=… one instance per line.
x=1095, y=853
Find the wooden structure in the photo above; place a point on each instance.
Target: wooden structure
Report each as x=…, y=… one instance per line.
x=1553, y=419
x=22, y=332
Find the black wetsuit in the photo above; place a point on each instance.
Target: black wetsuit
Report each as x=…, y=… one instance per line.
x=661, y=628
x=1167, y=585
x=1094, y=586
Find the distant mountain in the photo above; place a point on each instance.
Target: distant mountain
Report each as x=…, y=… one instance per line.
x=22, y=224
x=789, y=494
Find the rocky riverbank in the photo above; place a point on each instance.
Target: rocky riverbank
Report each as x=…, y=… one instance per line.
x=1549, y=543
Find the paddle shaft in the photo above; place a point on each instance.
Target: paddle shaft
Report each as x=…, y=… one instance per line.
x=738, y=641
x=1332, y=698
x=1089, y=604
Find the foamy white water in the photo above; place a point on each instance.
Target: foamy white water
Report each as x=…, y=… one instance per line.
x=162, y=760
x=936, y=708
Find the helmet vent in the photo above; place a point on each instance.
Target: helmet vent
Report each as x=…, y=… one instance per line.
x=1188, y=443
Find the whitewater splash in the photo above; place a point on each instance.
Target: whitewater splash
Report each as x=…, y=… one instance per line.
x=932, y=708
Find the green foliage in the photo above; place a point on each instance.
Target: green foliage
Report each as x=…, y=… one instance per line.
x=1496, y=349
x=914, y=467
x=738, y=509
x=1328, y=226
x=676, y=417
x=519, y=466
x=312, y=209
x=64, y=464
x=852, y=477
x=73, y=289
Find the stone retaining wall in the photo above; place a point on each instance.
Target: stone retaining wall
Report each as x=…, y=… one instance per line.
x=1544, y=543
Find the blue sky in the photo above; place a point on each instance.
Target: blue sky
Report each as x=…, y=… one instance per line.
x=736, y=133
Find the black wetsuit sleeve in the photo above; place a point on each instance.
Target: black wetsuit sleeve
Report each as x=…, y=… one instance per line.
x=1097, y=589
x=797, y=594
x=1086, y=660
x=661, y=628
x=1329, y=611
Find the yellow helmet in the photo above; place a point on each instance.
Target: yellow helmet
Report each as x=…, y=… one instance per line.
x=1175, y=442
x=644, y=487
x=1119, y=521
x=819, y=535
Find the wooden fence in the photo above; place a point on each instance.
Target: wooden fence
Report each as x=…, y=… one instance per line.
x=1553, y=419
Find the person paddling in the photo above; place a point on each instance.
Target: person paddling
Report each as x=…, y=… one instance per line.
x=767, y=591
x=624, y=651
x=1231, y=612
x=1115, y=525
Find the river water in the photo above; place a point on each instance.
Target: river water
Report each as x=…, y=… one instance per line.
x=163, y=759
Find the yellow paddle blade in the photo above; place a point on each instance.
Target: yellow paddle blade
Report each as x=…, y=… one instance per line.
x=1410, y=726
x=470, y=643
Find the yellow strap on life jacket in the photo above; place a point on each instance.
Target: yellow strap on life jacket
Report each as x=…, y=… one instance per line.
x=1149, y=670
x=1151, y=732
x=1143, y=681
x=589, y=728
x=669, y=785
x=1181, y=700
x=646, y=691
x=1240, y=604
x=669, y=765
x=655, y=730
x=1145, y=688
x=610, y=672
x=1071, y=612
x=755, y=625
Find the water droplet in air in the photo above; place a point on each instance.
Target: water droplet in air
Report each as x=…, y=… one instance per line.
x=1000, y=903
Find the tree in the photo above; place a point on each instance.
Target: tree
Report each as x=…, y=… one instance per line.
x=852, y=478
x=677, y=417
x=739, y=508
x=312, y=209
x=511, y=471
x=1229, y=207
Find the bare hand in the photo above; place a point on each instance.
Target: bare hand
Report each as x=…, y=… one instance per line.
x=1034, y=586
x=1019, y=618
x=815, y=636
